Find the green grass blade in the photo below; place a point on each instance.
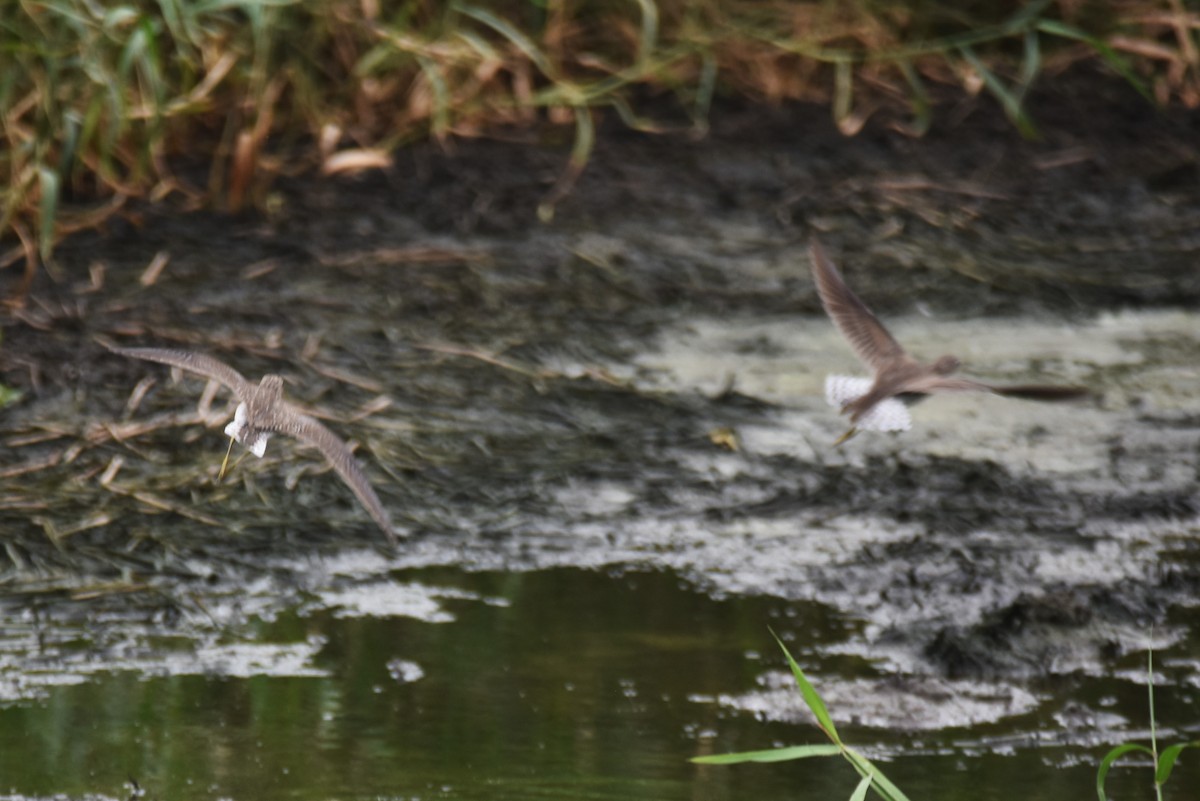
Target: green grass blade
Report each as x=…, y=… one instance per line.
x=1150, y=697
x=131, y=53
x=149, y=65
x=705, y=88
x=1027, y=14
x=117, y=18
x=250, y=8
x=1114, y=59
x=441, y=96
x=860, y=792
x=843, y=94
x=866, y=768
x=648, y=35
x=479, y=45
x=922, y=110
x=1031, y=64
x=1166, y=762
x=585, y=139
x=1009, y=101
x=631, y=117
x=48, y=186
x=72, y=127
x=811, y=698
x=502, y=27
x=172, y=19
x=772, y=755
x=377, y=59
x=1111, y=757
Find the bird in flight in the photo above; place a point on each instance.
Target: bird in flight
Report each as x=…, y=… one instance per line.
x=262, y=411
x=881, y=403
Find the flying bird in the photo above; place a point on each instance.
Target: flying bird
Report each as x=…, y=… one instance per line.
x=881, y=403
x=262, y=411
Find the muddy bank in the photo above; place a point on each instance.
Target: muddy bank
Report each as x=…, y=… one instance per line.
x=637, y=383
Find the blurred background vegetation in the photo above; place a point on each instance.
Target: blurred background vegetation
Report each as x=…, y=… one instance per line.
x=209, y=101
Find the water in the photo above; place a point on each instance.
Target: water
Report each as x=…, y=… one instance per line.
x=550, y=684
x=564, y=684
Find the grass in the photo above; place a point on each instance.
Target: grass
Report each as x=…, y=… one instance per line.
x=870, y=776
x=100, y=102
x=1163, y=762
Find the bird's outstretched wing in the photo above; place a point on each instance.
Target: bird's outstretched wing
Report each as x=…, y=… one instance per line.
x=198, y=363
x=1038, y=392
x=870, y=340
x=308, y=430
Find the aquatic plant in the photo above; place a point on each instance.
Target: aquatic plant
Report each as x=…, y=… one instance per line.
x=103, y=102
x=872, y=777
x=1163, y=762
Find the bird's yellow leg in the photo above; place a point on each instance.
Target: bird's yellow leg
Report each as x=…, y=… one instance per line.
x=849, y=433
x=225, y=461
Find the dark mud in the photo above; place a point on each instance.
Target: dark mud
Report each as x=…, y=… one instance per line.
x=499, y=375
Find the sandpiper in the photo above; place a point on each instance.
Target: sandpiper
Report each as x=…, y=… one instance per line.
x=880, y=403
x=262, y=411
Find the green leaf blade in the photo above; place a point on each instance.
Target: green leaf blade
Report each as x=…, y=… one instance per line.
x=866, y=768
x=48, y=186
x=1166, y=760
x=771, y=755
x=860, y=792
x=1112, y=756
x=811, y=699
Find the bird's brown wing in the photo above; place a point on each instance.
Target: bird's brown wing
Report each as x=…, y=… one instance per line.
x=1038, y=392
x=870, y=340
x=1041, y=392
x=308, y=430
x=198, y=363
x=928, y=383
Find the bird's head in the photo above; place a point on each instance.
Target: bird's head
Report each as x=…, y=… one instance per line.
x=946, y=365
x=270, y=389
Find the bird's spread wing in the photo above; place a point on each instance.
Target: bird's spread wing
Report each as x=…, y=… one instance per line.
x=1039, y=392
x=308, y=430
x=931, y=382
x=198, y=363
x=870, y=340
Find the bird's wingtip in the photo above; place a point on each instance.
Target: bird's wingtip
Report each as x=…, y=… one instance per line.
x=395, y=535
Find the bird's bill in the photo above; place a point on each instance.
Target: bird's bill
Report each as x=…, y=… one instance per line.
x=850, y=433
x=225, y=461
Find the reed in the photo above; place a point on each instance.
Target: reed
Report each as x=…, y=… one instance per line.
x=871, y=777
x=1162, y=762
x=102, y=102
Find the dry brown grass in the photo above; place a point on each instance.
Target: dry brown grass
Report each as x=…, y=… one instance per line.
x=100, y=104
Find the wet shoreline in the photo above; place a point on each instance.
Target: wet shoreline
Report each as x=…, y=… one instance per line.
x=636, y=387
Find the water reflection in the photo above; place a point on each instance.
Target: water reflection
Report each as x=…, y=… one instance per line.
x=577, y=685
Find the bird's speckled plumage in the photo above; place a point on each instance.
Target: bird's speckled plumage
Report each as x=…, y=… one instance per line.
x=263, y=411
x=896, y=373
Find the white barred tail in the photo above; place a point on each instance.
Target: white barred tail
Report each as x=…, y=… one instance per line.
x=887, y=415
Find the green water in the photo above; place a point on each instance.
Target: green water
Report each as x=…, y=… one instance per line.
x=579, y=685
